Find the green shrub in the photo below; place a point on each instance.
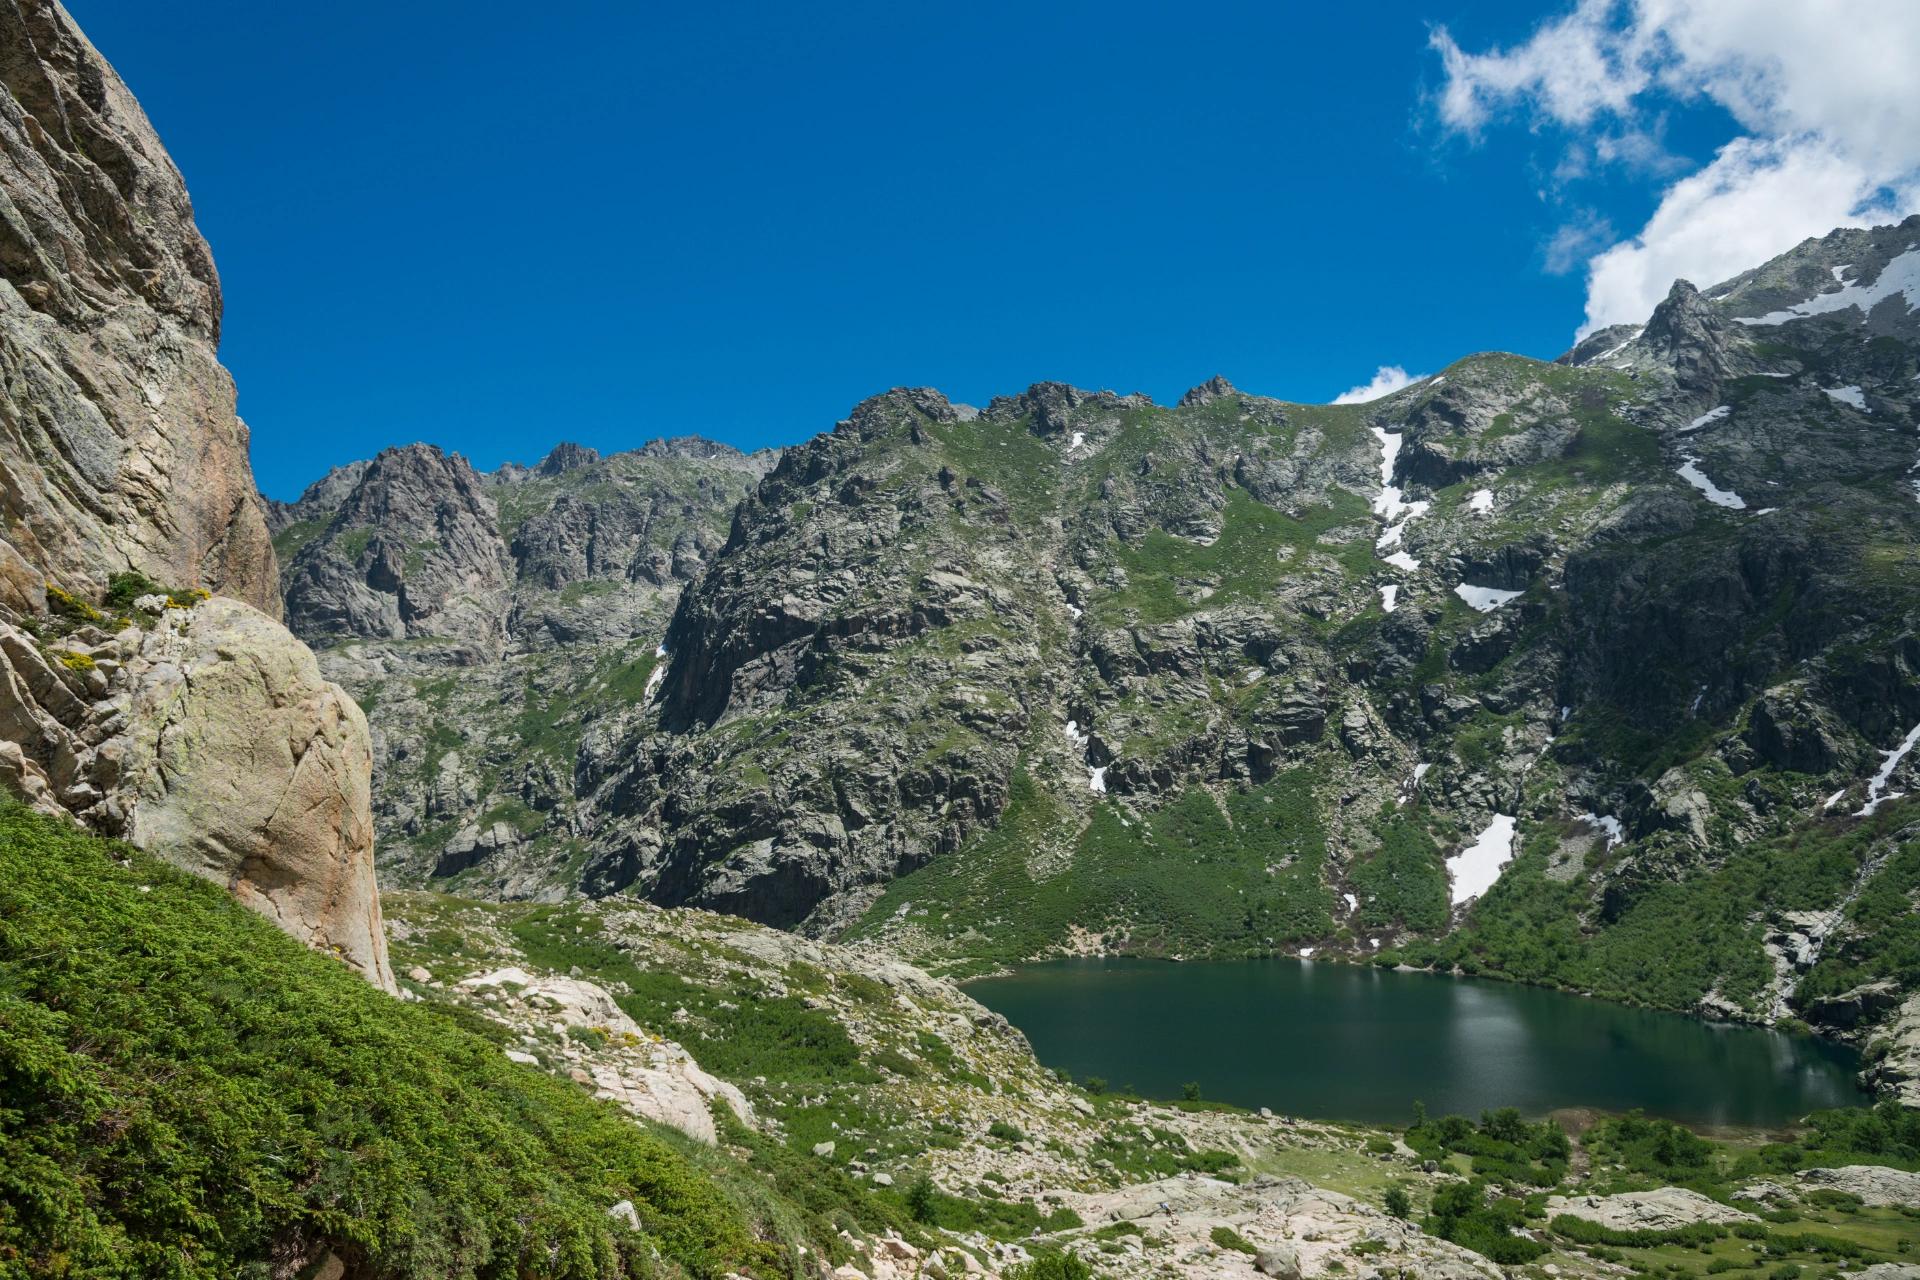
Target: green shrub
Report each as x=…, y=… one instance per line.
x=1582, y=1231
x=1397, y=1202
x=1228, y=1238
x=1050, y=1266
x=187, y=1092
x=1005, y=1132
x=124, y=588
x=919, y=1199
x=64, y=604
x=1461, y=1214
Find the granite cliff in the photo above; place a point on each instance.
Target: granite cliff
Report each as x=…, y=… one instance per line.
x=132, y=696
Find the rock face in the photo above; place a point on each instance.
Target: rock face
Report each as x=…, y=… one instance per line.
x=1875, y=1184
x=199, y=729
x=412, y=551
x=117, y=429
x=207, y=737
x=1666, y=1209
x=649, y=1076
x=490, y=620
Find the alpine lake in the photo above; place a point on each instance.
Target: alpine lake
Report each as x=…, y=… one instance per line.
x=1357, y=1043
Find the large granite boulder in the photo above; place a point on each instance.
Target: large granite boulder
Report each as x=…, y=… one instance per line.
x=210, y=739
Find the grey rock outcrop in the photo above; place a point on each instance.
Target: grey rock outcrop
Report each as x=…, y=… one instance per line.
x=118, y=437
x=1664, y=1209
x=1876, y=1185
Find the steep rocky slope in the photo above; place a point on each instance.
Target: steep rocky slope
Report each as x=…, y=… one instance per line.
x=118, y=438
x=1595, y=673
x=195, y=727
x=488, y=620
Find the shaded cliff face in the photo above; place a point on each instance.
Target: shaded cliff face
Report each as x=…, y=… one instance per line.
x=487, y=620
x=118, y=437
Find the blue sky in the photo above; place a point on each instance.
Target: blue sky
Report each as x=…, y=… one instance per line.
x=494, y=227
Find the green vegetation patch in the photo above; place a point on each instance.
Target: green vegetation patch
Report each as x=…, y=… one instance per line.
x=1257, y=548
x=185, y=1091
x=1225, y=876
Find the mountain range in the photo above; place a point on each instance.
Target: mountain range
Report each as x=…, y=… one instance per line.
x=1597, y=672
x=567, y=871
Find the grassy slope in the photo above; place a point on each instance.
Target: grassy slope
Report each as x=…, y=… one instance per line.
x=185, y=1091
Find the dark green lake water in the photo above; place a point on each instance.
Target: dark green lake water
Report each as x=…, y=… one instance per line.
x=1349, y=1042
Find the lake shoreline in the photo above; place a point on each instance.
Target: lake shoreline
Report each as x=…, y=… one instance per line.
x=1484, y=1043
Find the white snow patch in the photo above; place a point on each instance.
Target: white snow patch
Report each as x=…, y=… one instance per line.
x=654, y=677
x=1877, y=793
x=1607, y=823
x=660, y=650
x=1389, y=597
x=1437, y=381
x=1485, y=599
x=1766, y=511
x=1614, y=351
x=1834, y=799
x=1840, y=271
x=1475, y=868
x=1901, y=276
x=1077, y=612
x=1306, y=953
x=1711, y=415
x=1849, y=395
x=1076, y=735
x=1388, y=502
x=1353, y=903
x=1419, y=772
x=1480, y=500
x=1079, y=438
x=1097, y=778
x=1391, y=538
x=1391, y=504
x=1691, y=473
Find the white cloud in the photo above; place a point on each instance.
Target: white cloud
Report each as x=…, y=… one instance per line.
x=1577, y=241
x=1754, y=200
x=1824, y=93
x=1387, y=379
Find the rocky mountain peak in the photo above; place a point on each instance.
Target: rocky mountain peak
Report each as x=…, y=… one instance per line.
x=567, y=456
x=1214, y=388
x=697, y=448
x=413, y=550
x=1691, y=335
